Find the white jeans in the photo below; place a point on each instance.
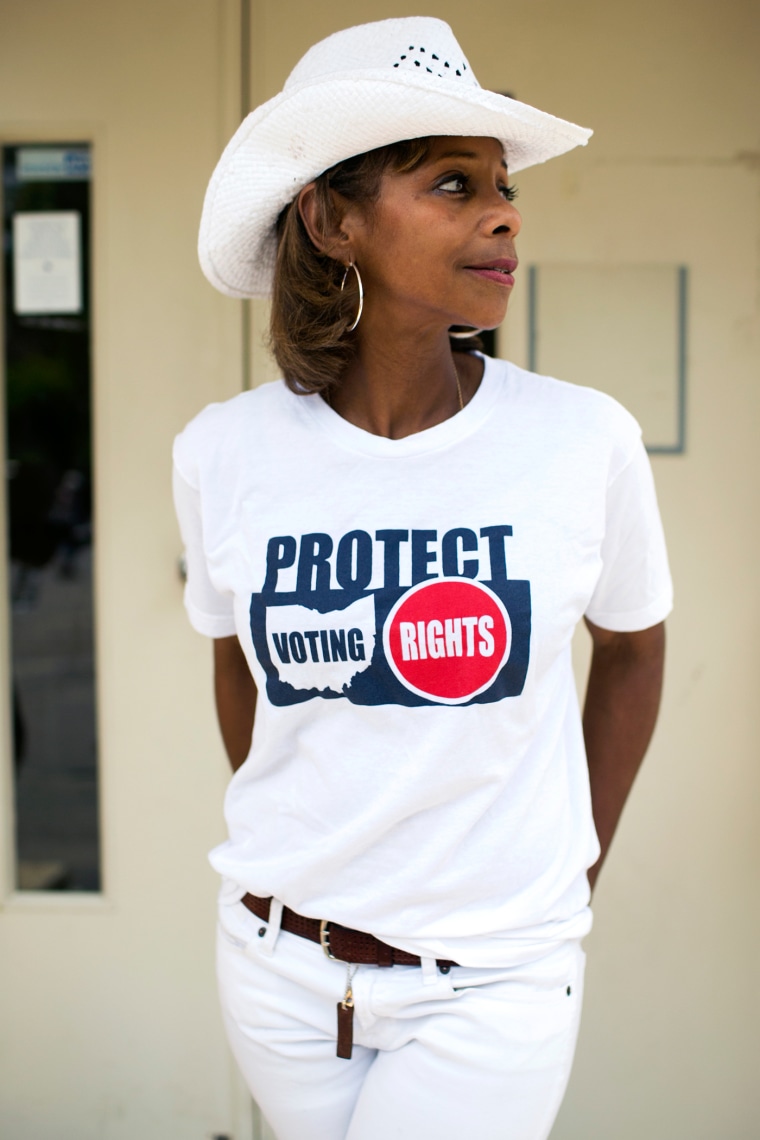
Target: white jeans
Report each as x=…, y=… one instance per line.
x=475, y=1052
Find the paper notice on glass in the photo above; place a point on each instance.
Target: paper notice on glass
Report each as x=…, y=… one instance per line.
x=47, y=263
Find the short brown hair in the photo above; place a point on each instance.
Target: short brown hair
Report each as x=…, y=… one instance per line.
x=308, y=332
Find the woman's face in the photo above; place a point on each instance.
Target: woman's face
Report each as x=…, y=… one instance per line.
x=438, y=247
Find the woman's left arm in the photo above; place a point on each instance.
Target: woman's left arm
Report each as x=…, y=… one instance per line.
x=622, y=701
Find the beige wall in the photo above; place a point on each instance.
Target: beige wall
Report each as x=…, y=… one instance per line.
x=668, y=1048
x=115, y=1032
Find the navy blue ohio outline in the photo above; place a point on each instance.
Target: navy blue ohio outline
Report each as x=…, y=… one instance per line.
x=377, y=684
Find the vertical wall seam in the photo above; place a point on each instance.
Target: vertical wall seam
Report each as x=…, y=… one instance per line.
x=678, y=447
x=683, y=283
x=532, y=317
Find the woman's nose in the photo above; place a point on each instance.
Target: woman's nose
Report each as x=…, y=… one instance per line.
x=507, y=219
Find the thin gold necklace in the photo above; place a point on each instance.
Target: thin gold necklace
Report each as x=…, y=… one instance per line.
x=459, y=389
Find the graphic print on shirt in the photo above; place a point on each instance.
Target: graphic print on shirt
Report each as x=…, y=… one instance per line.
x=333, y=619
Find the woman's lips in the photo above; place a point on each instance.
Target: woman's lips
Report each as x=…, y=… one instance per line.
x=500, y=276
x=501, y=271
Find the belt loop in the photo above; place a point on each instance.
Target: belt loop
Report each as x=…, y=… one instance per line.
x=269, y=940
x=429, y=971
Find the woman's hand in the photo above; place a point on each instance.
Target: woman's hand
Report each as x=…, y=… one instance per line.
x=235, y=694
x=622, y=701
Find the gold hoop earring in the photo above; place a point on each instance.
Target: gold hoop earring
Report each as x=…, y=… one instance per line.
x=464, y=335
x=353, y=265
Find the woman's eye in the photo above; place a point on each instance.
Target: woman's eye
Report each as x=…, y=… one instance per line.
x=509, y=192
x=453, y=185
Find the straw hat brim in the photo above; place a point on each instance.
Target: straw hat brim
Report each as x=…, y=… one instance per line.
x=307, y=128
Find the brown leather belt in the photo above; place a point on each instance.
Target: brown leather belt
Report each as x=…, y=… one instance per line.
x=337, y=941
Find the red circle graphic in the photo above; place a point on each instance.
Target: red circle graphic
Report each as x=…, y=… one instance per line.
x=447, y=639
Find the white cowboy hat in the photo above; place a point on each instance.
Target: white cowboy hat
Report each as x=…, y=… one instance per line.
x=359, y=89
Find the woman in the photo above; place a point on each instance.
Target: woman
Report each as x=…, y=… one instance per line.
x=392, y=548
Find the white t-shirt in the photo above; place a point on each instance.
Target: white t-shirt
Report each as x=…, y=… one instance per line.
x=406, y=608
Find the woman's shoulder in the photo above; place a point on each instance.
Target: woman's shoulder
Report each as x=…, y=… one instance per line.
x=555, y=416
x=563, y=405
x=225, y=415
x=220, y=429
x=535, y=388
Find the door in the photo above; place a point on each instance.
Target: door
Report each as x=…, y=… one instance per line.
x=112, y=116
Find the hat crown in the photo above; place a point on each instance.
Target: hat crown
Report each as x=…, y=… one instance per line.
x=418, y=44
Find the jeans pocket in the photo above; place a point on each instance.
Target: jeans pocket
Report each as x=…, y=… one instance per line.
x=548, y=979
x=237, y=924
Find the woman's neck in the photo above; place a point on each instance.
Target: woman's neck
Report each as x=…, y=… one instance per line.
x=396, y=389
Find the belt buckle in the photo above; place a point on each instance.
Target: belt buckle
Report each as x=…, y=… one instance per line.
x=324, y=939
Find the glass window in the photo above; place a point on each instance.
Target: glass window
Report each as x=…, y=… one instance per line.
x=48, y=510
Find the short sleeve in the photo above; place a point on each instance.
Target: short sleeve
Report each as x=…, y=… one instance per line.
x=634, y=590
x=210, y=612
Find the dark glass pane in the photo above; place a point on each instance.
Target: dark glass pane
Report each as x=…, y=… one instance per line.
x=46, y=229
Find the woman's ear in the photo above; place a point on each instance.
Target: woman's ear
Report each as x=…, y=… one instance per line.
x=324, y=222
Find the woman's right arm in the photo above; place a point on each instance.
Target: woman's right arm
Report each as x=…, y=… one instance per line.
x=235, y=694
